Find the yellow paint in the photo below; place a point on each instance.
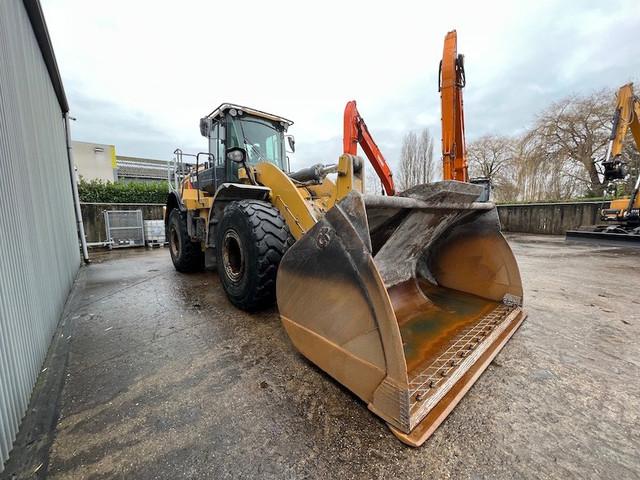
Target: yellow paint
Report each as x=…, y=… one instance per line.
x=114, y=161
x=348, y=178
x=623, y=203
x=194, y=200
x=242, y=175
x=324, y=195
x=629, y=107
x=293, y=203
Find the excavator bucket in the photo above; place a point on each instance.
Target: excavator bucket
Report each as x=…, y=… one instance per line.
x=405, y=300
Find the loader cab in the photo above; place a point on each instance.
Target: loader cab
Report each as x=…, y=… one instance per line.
x=260, y=134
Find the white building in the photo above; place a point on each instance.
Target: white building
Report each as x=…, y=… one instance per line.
x=98, y=161
x=95, y=161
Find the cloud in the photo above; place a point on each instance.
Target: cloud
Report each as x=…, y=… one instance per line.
x=133, y=132
x=141, y=74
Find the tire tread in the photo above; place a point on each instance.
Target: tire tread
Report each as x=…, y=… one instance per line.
x=272, y=238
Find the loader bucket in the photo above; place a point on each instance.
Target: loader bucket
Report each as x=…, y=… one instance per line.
x=404, y=300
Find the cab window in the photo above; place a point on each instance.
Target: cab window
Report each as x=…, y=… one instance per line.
x=262, y=139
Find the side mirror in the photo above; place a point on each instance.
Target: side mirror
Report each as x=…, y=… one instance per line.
x=204, y=127
x=236, y=154
x=292, y=143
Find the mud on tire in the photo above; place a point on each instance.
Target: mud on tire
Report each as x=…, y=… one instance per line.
x=251, y=238
x=187, y=256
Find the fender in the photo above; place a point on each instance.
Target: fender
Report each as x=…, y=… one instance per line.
x=230, y=192
x=173, y=201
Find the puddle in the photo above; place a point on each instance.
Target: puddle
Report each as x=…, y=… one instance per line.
x=430, y=317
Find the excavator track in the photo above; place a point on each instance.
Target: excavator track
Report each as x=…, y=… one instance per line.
x=604, y=237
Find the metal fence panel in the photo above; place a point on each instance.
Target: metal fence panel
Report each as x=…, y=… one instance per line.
x=124, y=228
x=38, y=242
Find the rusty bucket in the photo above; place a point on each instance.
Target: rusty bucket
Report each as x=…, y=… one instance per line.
x=404, y=300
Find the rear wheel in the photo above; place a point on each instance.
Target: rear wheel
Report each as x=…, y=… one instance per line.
x=186, y=255
x=251, y=238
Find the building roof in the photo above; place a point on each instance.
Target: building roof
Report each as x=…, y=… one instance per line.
x=133, y=167
x=36, y=17
x=95, y=144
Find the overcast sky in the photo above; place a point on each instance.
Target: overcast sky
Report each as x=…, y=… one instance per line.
x=140, y=74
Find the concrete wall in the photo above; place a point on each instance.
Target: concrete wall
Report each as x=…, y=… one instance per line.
x=549, y=218
x=94, y=161
x=93, y=216
x=545, y=218
x=39, y=254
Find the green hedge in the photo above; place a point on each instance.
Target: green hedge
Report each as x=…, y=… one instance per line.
x=98, y=191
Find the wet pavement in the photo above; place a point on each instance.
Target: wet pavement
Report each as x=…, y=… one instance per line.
x=166, y=379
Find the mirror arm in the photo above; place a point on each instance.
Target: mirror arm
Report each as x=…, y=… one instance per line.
x=250, y=175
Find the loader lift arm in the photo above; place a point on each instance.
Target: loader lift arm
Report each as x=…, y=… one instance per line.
x=356, y=132
x=451, y=81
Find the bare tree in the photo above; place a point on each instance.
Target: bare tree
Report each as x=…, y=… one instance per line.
x=408, y=161
x=425, y=156
x=492, y=157
x=489, y=155
x=532, y=174
x=416, y=161
x=572, y=134
x=553, y=160
x=372, y=183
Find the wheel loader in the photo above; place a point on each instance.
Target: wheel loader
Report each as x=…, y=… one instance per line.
x=403, y=298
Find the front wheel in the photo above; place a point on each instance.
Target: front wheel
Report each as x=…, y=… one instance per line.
x=251, y=238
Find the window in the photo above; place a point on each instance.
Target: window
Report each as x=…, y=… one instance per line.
x=216, y=144
x=262, y=139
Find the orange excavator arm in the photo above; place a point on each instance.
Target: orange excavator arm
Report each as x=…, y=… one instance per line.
x=450, y=83
x=356, y=132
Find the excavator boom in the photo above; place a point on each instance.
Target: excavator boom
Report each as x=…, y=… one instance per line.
x=626, y=116
x=450, y=84
x=356, y=132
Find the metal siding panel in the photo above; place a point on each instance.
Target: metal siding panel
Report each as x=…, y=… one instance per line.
x=39, y=254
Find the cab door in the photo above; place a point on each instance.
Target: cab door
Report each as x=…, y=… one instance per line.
x=217, y=149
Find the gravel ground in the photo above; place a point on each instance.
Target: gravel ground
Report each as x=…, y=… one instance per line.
x=165, y=379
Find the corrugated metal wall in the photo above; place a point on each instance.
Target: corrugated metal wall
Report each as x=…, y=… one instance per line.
x=38, y=243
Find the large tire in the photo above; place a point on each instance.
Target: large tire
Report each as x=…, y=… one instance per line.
x=187, y=256
x=251, y=238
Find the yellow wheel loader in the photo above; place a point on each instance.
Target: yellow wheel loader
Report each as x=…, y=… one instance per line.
x=403, y=299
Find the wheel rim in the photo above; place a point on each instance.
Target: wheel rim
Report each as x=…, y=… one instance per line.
x=174, y=242
x=232, y=257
